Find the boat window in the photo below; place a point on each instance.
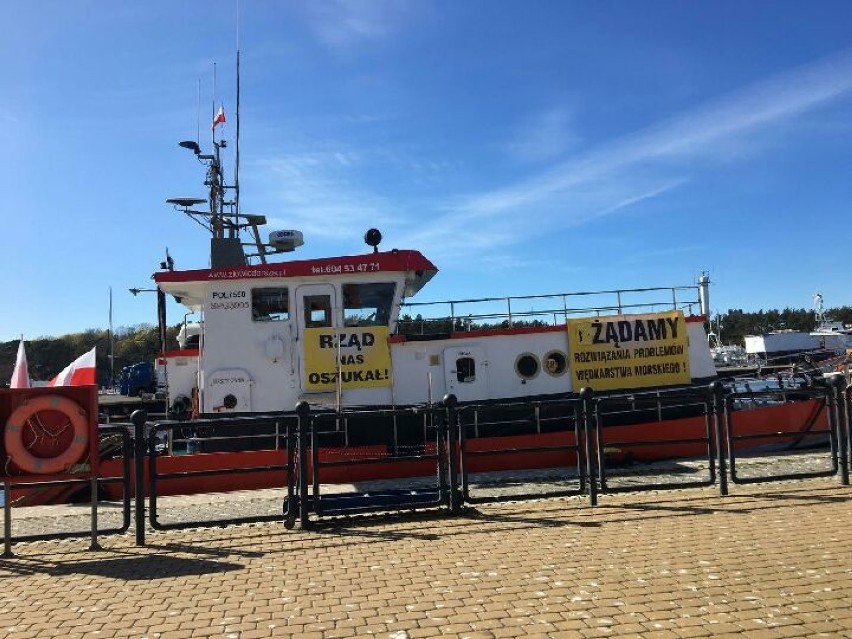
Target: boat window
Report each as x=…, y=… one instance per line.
x=317, y=311
x=555, y=363
x=270, y=304
x=368, y=304
x=526, y=366
x=466, y=370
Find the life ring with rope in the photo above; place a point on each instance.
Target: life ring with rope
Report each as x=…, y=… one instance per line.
x=40, y=426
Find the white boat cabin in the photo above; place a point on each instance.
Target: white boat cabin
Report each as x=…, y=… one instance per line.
x=328, y=331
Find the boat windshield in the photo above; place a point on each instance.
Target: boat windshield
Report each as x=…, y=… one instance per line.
x=270, y=304
x=368, y=304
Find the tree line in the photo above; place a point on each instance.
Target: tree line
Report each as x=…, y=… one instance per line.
x=733, y=326
x=47, y=356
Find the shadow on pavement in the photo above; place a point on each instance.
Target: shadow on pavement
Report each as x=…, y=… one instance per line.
x=205, y=550
x=147, y=567
x=128, y=567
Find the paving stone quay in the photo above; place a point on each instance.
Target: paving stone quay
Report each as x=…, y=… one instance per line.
x=770, y=560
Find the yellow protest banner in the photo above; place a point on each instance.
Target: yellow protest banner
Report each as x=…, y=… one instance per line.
x=629, y=351
x=361, y=355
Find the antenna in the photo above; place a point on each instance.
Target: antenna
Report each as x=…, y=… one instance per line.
x=224, y=218
x=237, y=134
x=213, y=118
x=237, y=143
x=111, y=345
x=198, y=117
x=237, y=7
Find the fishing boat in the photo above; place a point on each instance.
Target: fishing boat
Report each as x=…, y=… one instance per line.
x=725, y=356
x=347, y=334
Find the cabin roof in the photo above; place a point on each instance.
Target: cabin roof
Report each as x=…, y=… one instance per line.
x=191, y=286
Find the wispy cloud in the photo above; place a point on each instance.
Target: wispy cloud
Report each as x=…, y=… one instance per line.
x=321, y=195
x=701, y=135
x=343, y=24
x=643, y=165
x=7, y=117
x=543, y=136
x=461, y=232
x=639, y=197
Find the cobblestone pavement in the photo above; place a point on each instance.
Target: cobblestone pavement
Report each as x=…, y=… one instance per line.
x=770, y=560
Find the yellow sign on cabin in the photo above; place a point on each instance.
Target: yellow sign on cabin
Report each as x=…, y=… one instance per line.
x=629, y=351
x=360, y=355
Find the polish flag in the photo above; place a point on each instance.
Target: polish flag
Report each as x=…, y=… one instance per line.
x=80, y=372
x=20, y=376
x=220, y=117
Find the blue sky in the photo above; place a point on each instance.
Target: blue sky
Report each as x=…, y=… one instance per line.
x=524, y=147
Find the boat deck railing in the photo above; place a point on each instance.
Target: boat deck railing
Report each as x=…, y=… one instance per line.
x=541, y=310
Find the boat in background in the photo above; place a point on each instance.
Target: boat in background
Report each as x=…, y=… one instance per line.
x=833, y=335
x=830, y=341
x=725, y=355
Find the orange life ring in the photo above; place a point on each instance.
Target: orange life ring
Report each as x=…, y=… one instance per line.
x=48, y=419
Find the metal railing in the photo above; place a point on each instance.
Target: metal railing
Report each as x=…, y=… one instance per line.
x=563, y=425
x=464, y=314
x=89, y=482
x=691, y=436
x=315, y=486
x=589, y=427
x=824, y=426
x=275, y=431
x=578, y=435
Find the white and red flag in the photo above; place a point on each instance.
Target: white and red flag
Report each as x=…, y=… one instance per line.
x=220, y=117
x=21, y=375
x=80, y=372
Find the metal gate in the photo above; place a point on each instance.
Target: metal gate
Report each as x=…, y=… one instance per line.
x=821, y=428
x=556, y=465
x=684, y=432
x=332, y=480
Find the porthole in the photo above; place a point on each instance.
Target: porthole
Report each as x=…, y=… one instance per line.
x=526, y=366
x=555, y=363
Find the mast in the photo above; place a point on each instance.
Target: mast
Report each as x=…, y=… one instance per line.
x=704, y=295
x=111, y=345
x=214, y=175
x=237, y=140
x=237, y=134
x=198, y=116
x=224, y=218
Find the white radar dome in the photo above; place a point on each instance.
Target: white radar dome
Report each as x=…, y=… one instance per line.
x=286, y=240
